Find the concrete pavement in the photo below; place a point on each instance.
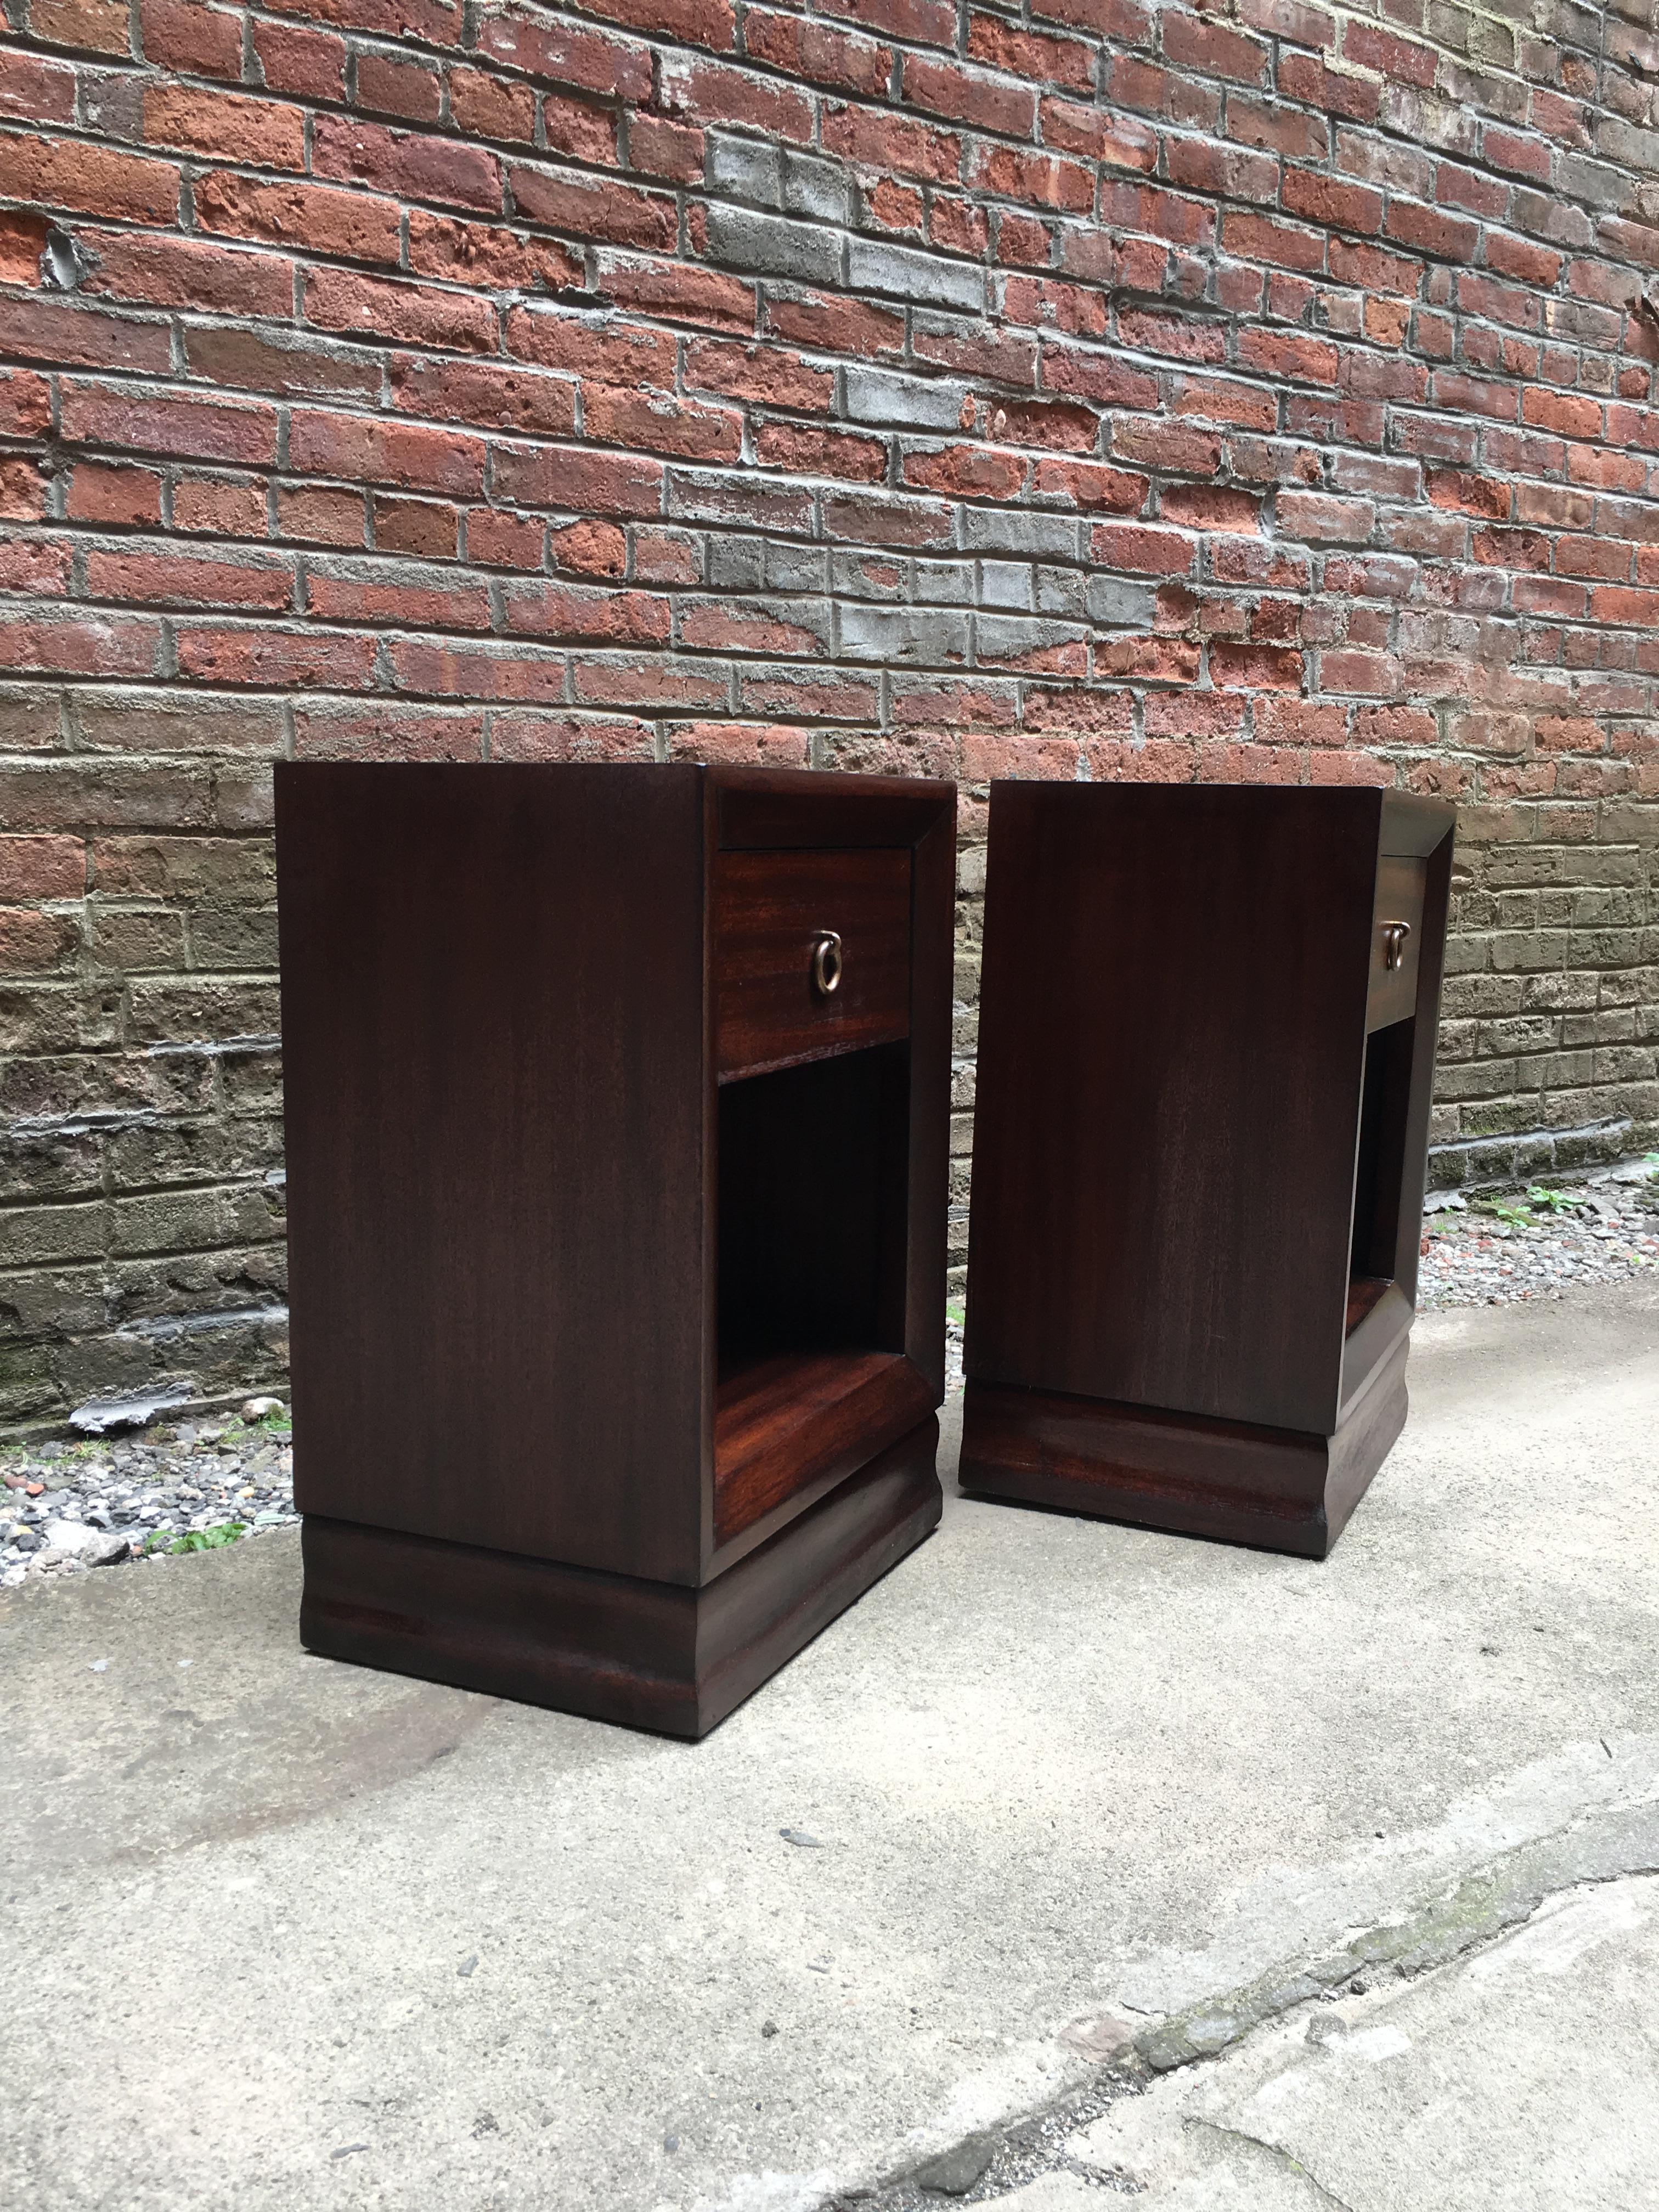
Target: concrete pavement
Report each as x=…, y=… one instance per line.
x=283, y=1933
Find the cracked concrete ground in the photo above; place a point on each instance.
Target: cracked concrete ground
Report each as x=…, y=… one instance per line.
x=1088, y=1804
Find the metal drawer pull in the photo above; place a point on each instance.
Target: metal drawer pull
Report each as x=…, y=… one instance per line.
x=826, y=963
x=1394, y=934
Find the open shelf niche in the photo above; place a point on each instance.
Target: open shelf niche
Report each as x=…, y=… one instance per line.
x=812, y=1233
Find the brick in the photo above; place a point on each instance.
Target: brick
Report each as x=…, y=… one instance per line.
x=101, y=26
x=496, y=397
x=711, y=92
x=988, y=103
x=880, y=142
x=276, y=660
x=1033, y=57
x=1142, y=551
x=35, y=89
x=192, y=428
x=427, y=527
x=281, y=364
x=592, y=207
x=408, y=164
x=763, y=374
x=405, y=594
x=567, y=479
x=42, y=867
x=570, y=612
x=169, y=272
x=1040, y=180
x=678, y=293
x=220, y=507
x=817, y=52
x=295, y=59
x=264, y=133
x=805, y=452
x=352, y=225
x=171, y=580
x=387, y=85
x=659, y=424
x=1212, y=49
x=379, y=308
x=42, y=330
x=460, y=251
x=88, y=180
x=371, y=451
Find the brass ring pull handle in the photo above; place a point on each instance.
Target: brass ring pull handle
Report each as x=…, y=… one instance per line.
x=1394, y=934
x=826, y=963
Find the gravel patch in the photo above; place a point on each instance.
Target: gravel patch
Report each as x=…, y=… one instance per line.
x=1539, y=1243
x=67, y=1509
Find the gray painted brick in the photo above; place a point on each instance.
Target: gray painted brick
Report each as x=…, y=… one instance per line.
x=1002, y=530
x=915, y=637
x=914, y=403
x=944, y=583
x=740, y=239
x=900, y=273
x=1006, y=584
x=1062, y=591
x=737, y=564
x=794, y=568
x=815, y=187
x=748, y=168
x=865, y=576
x=1005, y=635
x=1118, y=602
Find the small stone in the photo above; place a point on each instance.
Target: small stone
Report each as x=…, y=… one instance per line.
x=799, y=1836
x=768, y=2029
x=467, y=1965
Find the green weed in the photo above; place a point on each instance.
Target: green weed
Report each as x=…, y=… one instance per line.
x=209, y=1540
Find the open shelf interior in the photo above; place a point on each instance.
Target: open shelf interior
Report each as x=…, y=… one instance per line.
x=812, y=1182
x=1379, y=1168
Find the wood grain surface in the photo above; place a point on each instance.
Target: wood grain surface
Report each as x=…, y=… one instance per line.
x=493, y=1007
x=770, y=909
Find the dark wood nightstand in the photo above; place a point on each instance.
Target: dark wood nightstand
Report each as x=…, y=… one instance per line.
x=616, y=1114
x=1207, y=1045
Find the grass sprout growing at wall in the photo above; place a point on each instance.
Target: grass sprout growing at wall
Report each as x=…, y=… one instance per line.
x=209, y=1540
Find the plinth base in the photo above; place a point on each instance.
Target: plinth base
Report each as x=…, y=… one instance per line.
x=1273, y=1488
x=650, y=1655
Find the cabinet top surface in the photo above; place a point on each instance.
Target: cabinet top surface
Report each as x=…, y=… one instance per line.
x=1403, y=823
x=790, y=783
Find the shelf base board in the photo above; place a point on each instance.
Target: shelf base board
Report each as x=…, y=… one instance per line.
x=649, y=1655
x=1274, y=1489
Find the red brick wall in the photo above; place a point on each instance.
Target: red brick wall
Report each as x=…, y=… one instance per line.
x=1094, y=388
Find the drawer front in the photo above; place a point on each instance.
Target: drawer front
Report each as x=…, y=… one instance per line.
x=774, y=914
x=1392, y=992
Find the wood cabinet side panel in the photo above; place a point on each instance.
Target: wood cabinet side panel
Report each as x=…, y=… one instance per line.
x=1171, y=1041
x=493, y=993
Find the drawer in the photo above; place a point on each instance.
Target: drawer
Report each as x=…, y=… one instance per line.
x=1391, y=994
x=811, y=954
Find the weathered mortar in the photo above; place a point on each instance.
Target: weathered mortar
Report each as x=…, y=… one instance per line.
x=1078, y=388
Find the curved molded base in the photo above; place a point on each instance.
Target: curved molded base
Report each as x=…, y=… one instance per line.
x=1273, y=1488
x=651, y=1654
